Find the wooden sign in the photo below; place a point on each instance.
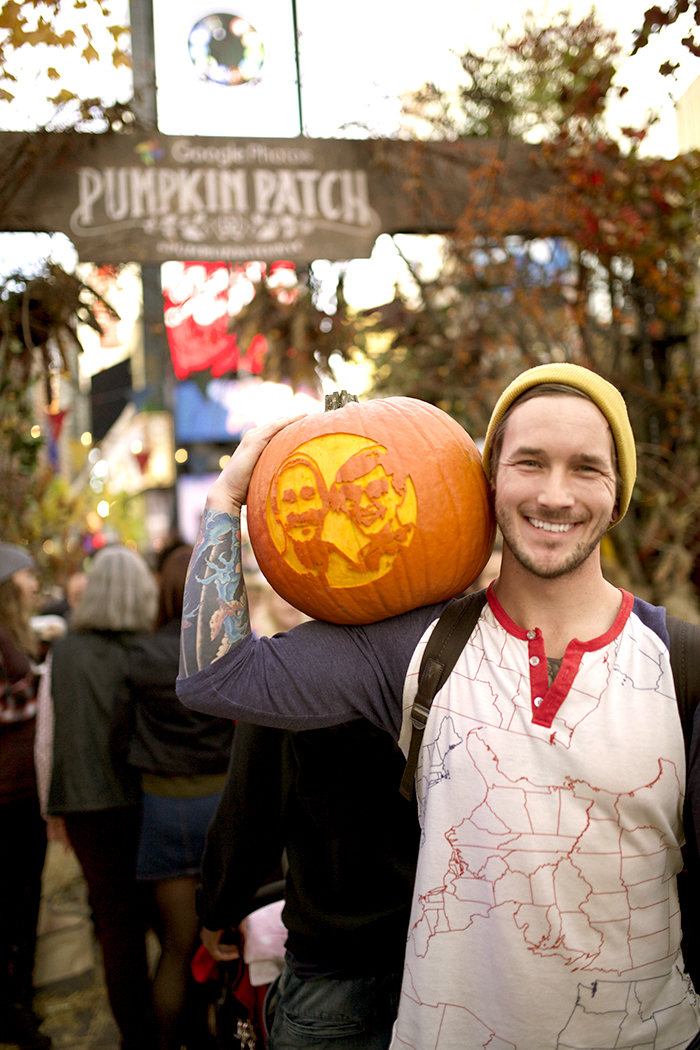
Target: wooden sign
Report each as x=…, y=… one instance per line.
x=145, y=197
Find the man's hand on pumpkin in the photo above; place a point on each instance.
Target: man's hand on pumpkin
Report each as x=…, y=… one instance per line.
x=229, y=491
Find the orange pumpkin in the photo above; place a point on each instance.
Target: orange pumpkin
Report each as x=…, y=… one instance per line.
x=370, y=510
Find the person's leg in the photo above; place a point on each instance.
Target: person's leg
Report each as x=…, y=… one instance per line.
x=24, y=839
x=179, y=926
x=105, y=843
x=329, y=1014
x=23, y=834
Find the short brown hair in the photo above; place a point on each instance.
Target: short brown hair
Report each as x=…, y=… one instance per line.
x=15, y=619
x=173, y=573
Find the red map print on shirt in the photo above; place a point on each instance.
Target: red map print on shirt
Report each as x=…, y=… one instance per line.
x=524, y=847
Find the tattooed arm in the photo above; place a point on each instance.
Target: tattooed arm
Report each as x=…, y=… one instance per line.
x=215, y=613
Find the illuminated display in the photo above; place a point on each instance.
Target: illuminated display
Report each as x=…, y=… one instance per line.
x=226, y=49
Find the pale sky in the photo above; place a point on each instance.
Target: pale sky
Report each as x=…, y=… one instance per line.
x=357, y=66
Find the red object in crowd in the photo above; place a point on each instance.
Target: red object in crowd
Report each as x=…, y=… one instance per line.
x=251, y=998
x=143, y=458
x=56, y=422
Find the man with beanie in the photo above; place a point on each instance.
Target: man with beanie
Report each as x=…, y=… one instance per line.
x=552, y=770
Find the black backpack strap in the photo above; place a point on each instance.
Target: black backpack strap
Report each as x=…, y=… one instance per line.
x=684, y=649
x=685, y=663
x=446, y=642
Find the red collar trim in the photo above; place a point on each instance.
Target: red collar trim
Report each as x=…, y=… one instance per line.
x=587, y=647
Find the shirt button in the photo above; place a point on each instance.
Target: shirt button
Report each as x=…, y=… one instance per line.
x=537, y=701
x=532, y=634
x=534, y=660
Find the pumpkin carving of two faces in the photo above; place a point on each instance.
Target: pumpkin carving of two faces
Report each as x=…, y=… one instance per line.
x=370, y=510
x=346, y=531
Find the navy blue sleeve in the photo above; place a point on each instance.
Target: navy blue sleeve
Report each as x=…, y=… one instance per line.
x=316, y=675
x=653, y=617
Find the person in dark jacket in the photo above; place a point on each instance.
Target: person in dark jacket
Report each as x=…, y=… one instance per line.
x=22, y=829
x=182, y=758
x=93, y=788
x=330, y=798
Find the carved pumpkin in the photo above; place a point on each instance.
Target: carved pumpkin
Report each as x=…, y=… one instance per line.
x=370, y=510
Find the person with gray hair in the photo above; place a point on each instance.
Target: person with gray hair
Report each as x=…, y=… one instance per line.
x=93, y=789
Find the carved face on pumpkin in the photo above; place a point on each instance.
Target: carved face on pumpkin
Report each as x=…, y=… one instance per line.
x=300, y=498
x=365, y=490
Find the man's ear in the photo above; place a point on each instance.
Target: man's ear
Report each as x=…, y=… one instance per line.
x=615, y=514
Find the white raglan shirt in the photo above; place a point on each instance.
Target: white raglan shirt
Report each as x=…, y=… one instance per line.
x=546, y=913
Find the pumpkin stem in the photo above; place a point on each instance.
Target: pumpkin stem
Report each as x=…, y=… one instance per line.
x=338, y=399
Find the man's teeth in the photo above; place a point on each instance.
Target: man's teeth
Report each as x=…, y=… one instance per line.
x=551, y=526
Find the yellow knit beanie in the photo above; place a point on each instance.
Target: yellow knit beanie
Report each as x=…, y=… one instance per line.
x=608, y=399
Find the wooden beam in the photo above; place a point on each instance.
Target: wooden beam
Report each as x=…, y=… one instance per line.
x=140, y=196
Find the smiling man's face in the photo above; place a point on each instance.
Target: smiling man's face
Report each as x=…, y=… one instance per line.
x=555, y=484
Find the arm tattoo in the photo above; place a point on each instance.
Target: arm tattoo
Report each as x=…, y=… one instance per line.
x=215, y=603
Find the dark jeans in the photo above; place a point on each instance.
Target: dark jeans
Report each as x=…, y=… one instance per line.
x=23, y=837
x=328, y=1014
x=105, y=842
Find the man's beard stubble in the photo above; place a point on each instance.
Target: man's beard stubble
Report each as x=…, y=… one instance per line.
x=573, y=562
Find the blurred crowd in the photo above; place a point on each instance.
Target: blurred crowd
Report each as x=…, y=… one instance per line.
x=96, y=751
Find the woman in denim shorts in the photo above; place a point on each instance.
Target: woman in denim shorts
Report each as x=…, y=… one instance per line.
x=182, y=757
